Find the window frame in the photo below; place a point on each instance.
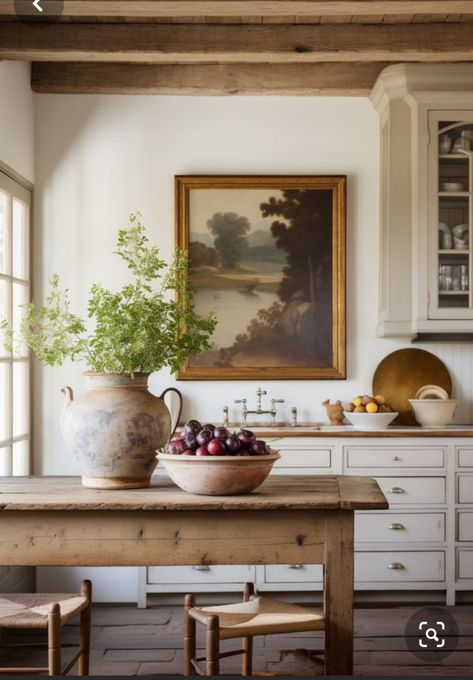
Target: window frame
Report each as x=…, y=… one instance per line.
x=19, y=190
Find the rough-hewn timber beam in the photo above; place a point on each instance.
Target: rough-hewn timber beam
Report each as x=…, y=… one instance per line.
x=206, y=79
x=182, y=8
x=165, y=43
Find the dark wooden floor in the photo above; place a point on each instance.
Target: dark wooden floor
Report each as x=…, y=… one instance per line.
x=129, y=641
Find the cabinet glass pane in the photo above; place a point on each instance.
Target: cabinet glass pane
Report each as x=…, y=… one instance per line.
x=20, y=458
x=20, y=240
x=20, y=297
x=20, y=398
x=4, y=201
x=455, y=153
x=4, y=401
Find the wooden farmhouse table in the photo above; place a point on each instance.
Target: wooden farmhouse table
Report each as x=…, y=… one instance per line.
x=289, y=519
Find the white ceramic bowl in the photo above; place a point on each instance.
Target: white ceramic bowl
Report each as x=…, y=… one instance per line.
x=218, y=475
x=433, y=412
x=370, y=421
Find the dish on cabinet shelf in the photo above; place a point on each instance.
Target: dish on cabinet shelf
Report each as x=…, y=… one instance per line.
x=452, y=186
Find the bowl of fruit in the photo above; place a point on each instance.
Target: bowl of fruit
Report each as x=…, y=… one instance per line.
x=212, y=461
x=369, y=413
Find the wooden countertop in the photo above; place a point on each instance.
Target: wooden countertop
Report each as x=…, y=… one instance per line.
x=279, y=492
x=348, y=432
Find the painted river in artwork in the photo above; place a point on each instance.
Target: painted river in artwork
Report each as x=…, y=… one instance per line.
x=235, y=309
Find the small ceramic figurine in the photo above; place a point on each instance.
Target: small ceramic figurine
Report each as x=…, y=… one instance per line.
x=334, y=412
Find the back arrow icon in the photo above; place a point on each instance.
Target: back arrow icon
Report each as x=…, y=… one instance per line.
x=37, y=6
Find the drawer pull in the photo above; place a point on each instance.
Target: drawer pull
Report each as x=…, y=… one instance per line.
x=396, y=565
x=396, y=489
x=397, y=459
x=396, y=526
x=201, y=567
x=295, y=566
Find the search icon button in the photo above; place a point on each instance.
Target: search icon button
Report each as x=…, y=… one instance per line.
x=431, y=634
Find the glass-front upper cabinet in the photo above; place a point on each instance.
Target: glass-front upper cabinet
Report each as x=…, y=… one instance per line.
x=450, y=215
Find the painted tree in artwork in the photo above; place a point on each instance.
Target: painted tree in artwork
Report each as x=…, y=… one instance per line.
x=304, y=233
x=230, y=241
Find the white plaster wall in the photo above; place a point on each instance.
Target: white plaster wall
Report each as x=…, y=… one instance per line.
x=17, y=118
x=101, y=157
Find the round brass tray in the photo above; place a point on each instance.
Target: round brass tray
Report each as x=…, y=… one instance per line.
x=401, y=373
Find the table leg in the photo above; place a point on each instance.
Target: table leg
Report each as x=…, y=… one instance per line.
x=338, y=593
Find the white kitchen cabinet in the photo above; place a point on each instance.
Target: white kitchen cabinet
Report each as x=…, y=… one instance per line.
x=465, y=565
x=391, y=567
x=413, y=491
x=394, y=457
x=465, y=488
x=382, y=527
x=426, y=121
x=423, y=542
x=464, y=517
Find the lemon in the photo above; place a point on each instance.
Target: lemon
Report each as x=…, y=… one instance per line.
x=379, y=399
x=357, y=401
x=371, y=408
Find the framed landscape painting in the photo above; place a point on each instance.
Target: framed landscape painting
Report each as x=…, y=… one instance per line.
x=267, y=255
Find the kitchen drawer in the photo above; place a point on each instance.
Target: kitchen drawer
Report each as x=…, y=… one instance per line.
x=239, y=573
x=465, y=457
x=293, y=443
x=413, y=490
x=399, y=566
x=465, y=564
x=465, y=489
x=395, y=457
x=293, y=573
x=400, y=527
x=465, y=526
x=304, y=458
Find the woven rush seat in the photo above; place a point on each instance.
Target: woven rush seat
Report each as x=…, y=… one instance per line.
x=48, y=613
x=256, y=615
x=262, y=616
x=31, y=611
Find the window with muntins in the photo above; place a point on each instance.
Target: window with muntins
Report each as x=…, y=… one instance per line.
x=15, y=207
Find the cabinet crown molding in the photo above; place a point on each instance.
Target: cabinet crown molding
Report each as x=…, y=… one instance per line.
x=402, y=80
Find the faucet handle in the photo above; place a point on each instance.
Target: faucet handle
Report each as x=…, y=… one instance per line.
x=278, y=401
x=260, y=392
x=239, y=401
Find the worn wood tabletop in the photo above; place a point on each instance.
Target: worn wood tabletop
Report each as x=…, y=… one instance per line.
x=279, y=492
x=288, y=520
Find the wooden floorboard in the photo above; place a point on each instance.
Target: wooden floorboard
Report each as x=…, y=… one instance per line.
x=130, y=641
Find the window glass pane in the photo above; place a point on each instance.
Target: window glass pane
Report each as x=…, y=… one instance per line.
x=20, y=240
x=5, y=461
x=4, y=201
x=20, y=458
x=20, y=398
x=20, y=297
x=4, y=401
x=4, y=307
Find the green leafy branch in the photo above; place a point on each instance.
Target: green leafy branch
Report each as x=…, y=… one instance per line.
x=148, y=324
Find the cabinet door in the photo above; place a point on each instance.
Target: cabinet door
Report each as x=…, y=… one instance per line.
x=450, y=214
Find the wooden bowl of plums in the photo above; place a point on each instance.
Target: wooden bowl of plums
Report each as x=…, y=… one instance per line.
x=213, y=461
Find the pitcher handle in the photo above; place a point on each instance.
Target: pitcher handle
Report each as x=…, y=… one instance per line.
x=176, y=422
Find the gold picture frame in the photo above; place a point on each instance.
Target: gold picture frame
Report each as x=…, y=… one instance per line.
x=267, y=254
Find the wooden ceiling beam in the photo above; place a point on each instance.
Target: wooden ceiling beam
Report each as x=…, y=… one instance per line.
x=264, y=8
x=200, y=43
x=206, y=79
